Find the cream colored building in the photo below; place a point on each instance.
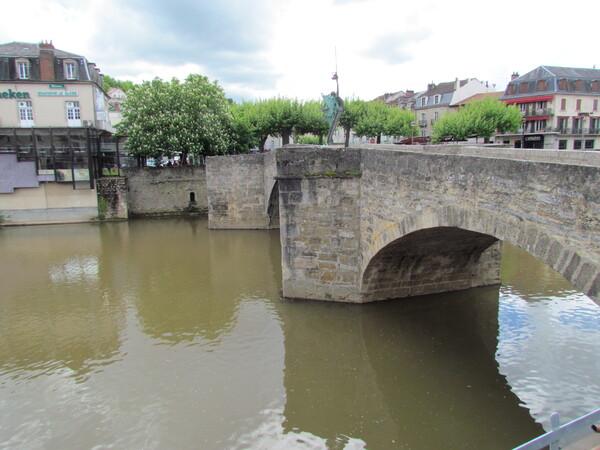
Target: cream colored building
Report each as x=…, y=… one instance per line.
x=560, y=107
x=53, y=129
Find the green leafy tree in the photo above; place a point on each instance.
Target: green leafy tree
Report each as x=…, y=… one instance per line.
x=373, y=122
x=243, y=131
x=354, y=110
x=398, y=123
x=482, y=118
x=312, y=121
x=165, y=118
x=112, y=82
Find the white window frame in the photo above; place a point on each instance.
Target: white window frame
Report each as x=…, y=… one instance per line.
x=23, y=70
x=70, y=68
x=26, y=113
x=73, y=114
x=423, y=101
x=437, y=98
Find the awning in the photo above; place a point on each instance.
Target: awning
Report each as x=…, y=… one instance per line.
x=530, y=118
x=543, y=98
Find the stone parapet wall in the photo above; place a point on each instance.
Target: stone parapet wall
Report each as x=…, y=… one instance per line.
x=548, y=208
x=155, y=191
x=236, y=192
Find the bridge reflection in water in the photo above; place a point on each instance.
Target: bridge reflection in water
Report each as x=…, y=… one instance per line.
x=165, y=334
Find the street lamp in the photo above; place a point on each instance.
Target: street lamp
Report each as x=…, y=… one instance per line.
x=412, y=131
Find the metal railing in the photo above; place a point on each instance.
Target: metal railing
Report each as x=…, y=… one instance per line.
x=561, y=436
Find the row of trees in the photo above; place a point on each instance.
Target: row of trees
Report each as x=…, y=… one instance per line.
x=194, y=116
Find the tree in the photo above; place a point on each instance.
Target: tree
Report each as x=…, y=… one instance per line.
x=482, y=118
x=373, y=122
x=398, y=123
x=354, y=110
x=112, y=82
x=312, y=121
x=165, y=118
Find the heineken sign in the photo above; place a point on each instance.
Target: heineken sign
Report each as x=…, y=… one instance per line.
x=12, y=94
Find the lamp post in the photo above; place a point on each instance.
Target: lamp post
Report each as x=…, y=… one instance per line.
x=412, y=132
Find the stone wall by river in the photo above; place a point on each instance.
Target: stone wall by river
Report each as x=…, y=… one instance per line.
x=166, y=190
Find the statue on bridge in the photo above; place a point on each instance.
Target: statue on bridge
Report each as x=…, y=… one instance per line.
x=333, y=109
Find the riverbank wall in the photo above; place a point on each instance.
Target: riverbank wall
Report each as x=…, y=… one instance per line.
x=166, y=191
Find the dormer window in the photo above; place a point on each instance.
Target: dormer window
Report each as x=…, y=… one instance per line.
x=436, y=99
x=70, y=70
x=423, y=101
x=23, y=69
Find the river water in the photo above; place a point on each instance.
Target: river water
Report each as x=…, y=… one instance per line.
x=164, y=334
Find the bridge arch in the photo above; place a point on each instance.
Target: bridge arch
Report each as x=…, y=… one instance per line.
x=416, y=247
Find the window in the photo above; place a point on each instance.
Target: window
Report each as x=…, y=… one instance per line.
x=524, y=88
x=562, y=84
x=541, y=85
x=540, y=125
x=595, y=108
x=23, y=70
x=577, y=145
x=423, y=101
x=511, y=89
x=562, y=144
x=589, y=144
x=73, y=114
x=437, y=99
x=595, y=86
x=563, y=124
x=436, y=115
x=70, y=70
x=26, y=114
x=578, y=85
x=563, y=104
x=578, y=105
x=576, y=125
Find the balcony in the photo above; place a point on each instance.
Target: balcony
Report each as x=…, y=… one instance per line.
x=538, y=112
x=422, y=123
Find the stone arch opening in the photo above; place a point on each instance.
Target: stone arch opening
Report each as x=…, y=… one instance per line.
x=432, y=260
x=567, y=260
x=273, y=206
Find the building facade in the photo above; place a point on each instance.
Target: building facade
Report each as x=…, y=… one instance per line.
x=55, y=136
x=439, y=99
x=560, y=107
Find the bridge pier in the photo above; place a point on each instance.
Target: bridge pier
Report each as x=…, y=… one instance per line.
x=319, y=195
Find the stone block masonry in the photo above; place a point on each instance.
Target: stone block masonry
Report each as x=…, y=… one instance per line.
x=239, y=191
x=369, y=224
x=163, y=191
x=112, y=198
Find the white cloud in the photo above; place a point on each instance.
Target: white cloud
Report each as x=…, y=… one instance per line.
x=288, y=47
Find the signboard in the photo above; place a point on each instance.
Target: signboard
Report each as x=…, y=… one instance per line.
x=12, y=94
x=533, y=138
x=56, y=86
x=57, y=94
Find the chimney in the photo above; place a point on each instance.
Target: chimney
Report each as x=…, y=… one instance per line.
x=456, y=84
x=514, y=76
x=47, y=61
x=430, y=86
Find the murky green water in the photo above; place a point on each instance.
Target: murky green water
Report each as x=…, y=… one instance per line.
x=163, y=334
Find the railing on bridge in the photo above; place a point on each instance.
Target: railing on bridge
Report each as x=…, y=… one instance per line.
x=561, y=436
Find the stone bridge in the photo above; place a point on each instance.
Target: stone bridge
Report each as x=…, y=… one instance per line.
x=374, y=223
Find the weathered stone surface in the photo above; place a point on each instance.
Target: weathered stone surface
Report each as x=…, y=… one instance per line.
x=365, y=224
x=166, y=190
x=112, y=198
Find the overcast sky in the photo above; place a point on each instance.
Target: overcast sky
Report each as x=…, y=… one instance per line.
x=264, y=48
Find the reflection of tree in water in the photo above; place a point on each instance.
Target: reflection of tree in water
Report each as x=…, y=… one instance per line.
x=59, y=310
x=189, y=280
x=419, y=372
